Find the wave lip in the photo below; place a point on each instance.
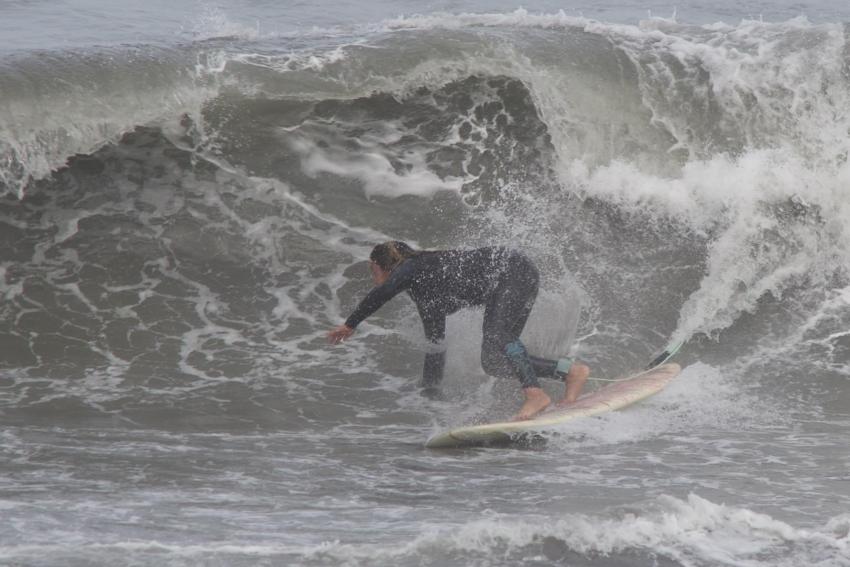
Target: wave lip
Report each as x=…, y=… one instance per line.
x=60, y=104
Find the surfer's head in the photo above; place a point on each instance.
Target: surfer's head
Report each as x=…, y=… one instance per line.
x=386, y=256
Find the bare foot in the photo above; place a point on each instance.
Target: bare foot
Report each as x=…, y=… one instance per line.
x=536, y=400
x=575, y=380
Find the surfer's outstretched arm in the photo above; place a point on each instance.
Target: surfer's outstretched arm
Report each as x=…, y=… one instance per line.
x=395, y=283
x=391, y=285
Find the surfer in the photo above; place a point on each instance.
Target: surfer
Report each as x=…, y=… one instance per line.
x=503, y=281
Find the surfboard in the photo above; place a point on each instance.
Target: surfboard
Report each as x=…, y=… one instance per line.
x=608, y=398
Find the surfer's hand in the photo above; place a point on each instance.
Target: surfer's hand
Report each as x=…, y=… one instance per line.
x=339, y=334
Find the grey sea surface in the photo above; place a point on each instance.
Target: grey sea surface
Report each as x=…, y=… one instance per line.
x=190, y=191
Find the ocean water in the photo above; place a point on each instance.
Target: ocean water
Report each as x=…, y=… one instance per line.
x=188, y=195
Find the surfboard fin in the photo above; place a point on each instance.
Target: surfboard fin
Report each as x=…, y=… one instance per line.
x=665, y=355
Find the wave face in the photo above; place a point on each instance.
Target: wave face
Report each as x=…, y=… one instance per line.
x=182, y=224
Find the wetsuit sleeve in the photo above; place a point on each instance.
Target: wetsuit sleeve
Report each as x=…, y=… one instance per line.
x=398, y=281
x=435, y=359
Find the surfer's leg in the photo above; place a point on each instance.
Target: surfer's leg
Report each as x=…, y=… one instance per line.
x=511, y=361
x=514, y=307
x=502, y=352
x=528, y=287
x=574, y=380
x=504, y=356
x=573, y=373
x=505, y=315
x=543, y=367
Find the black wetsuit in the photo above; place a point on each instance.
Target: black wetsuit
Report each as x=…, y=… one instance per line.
x=503, y=281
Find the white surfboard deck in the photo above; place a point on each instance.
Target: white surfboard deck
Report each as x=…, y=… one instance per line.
x=608, y=398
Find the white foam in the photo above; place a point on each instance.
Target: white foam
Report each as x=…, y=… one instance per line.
x=778, y=90
x=9, y=291
x=214, y=23
x=518, y=18
x=691, y=531
x=754, y=248
x=371, y=165
x=700, y=398
x=313, y=60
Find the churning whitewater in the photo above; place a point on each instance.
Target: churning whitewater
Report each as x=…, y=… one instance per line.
x=183, y=221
